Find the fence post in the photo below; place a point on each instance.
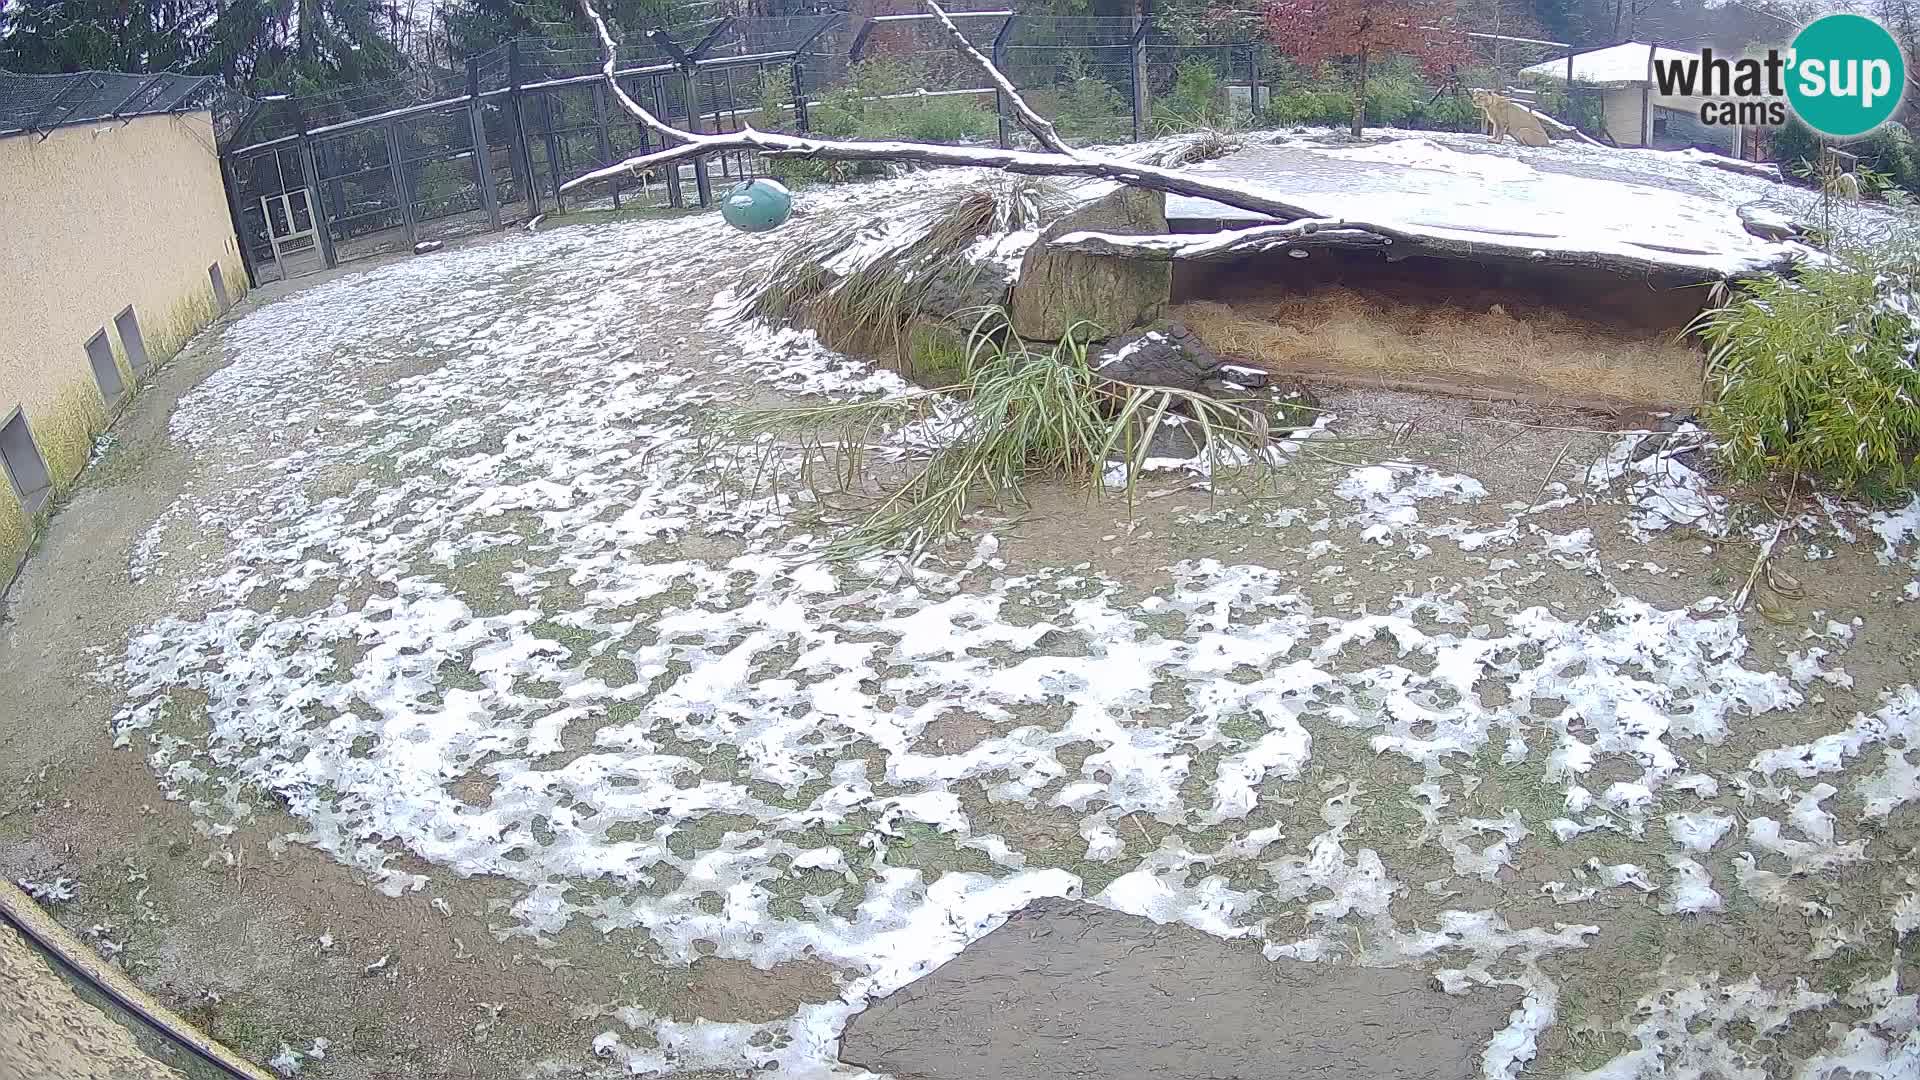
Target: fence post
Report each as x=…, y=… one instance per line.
x=397, y=170
x=1138, y=53
x=689, y=66
x=800, y=98
x=1646, y=101
x=521, y=157
x=1253, y=84
x=553, y=148
x=602, y=141
x=1000, y=62
x=482, y=152
x=702, y=183
x=232, y=189
x=310, y=177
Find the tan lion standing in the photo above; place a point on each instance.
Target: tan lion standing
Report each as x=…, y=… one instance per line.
x=1507, y=118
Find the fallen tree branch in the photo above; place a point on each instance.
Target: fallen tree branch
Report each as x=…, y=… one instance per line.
x=1023, y=162
x=1041, y=127
x=1399, y=243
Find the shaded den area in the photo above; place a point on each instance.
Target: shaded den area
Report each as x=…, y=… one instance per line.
x=1575, y=336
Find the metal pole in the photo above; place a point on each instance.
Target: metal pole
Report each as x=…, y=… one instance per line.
x=397, y=170
x=1646, y=102
x=1139, y=77
x=520, y=154
x=1253, y=81
x=553, y=148
x=1000, y=62
x=310, y=176
x=800, y=97
x=604, y=144
x=859, y=45
x=702, y=183
x=482, y=153
x=675, y=197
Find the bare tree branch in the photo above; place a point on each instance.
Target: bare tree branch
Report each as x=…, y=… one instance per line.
x=608, y=69
x=1041, y=127
x=1024, y=162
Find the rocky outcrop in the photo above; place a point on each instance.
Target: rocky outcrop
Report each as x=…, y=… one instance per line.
x=1769, y=224
x=1169, y=355
x=963, y=289
x=1172, y=356
x=1057, y=289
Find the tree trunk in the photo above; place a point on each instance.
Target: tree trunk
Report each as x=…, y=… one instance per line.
x=1360, y=93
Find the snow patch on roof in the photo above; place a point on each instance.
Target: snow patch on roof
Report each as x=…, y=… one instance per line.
x=1618, y=64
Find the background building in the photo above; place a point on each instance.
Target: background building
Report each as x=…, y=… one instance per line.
x=1633, y=110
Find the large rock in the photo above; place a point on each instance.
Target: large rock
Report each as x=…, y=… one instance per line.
x=963, y=289
x=1067, y=990
x=1168, y=355
x=1057, y=289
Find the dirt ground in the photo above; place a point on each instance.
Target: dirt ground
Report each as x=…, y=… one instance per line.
x=412, y=675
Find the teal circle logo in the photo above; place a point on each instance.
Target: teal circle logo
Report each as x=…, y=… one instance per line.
x=1847, y=75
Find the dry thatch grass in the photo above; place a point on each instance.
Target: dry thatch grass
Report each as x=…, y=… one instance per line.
x=1341, y=331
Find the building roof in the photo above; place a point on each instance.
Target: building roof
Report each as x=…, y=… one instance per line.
x=1617, y=65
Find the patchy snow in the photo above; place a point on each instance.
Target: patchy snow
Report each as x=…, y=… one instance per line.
x=492, y=600
x=1385, y=496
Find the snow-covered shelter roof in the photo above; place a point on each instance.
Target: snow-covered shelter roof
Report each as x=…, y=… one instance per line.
x=1626, y=64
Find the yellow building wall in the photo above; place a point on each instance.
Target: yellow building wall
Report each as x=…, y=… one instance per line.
x=93, y=218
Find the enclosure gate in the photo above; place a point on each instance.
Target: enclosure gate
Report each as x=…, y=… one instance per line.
x=284, y=216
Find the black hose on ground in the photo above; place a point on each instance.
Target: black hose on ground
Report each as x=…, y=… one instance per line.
x=78, y=962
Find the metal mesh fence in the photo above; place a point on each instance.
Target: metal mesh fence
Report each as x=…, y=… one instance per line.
x=328, y=177
x=40, y=103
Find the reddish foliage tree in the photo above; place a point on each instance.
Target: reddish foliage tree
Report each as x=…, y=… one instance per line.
x=1314, y=32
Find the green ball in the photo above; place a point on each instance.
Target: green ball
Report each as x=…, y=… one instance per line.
x=757, y=205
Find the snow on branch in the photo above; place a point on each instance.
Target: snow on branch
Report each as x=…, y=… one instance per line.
x=1058, y=162
x=1041, y=127
x=1621, y=256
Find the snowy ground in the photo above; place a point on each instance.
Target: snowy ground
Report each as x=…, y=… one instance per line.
x=464, y=594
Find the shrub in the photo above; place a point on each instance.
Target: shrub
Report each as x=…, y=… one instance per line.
x=1583, y=109
x=1447, y=112
x=1084, y=107
x=1194, y=102
x=1308, y=107
x=946, y=119
x=1814, y=376
x=868, y=105
x=1889, y=152
x=773, y=101
x=1394, y=93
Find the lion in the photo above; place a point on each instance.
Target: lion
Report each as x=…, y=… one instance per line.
x=1506, y=117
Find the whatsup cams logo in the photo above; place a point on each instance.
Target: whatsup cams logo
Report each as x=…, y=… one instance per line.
x=1843, y=76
